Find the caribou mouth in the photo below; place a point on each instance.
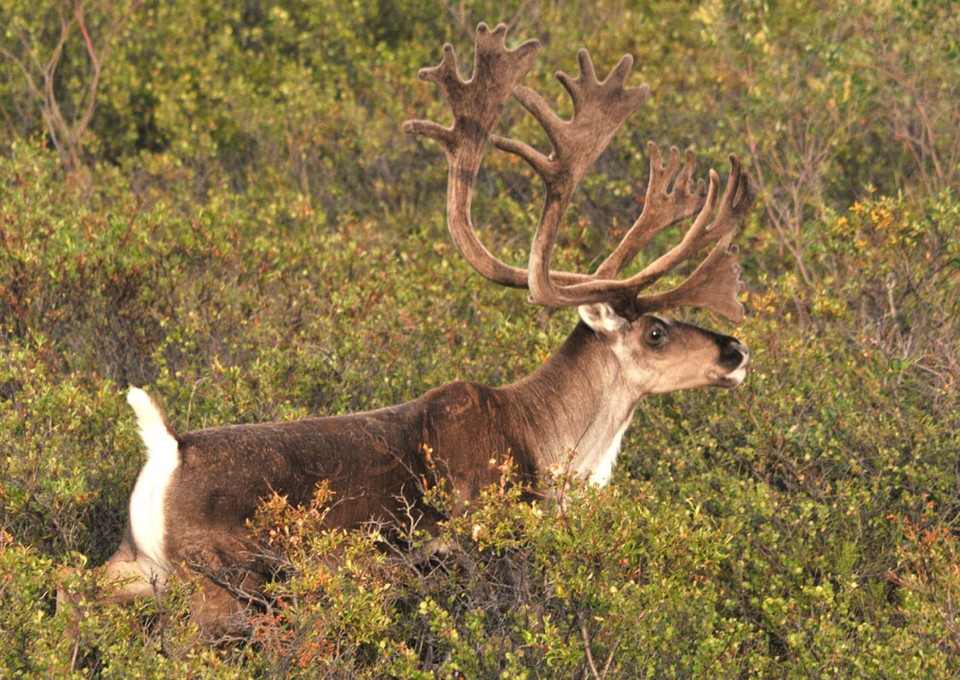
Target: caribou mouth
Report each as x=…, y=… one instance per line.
x=731, y=380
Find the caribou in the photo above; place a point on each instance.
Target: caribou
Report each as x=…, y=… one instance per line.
x=192, y=500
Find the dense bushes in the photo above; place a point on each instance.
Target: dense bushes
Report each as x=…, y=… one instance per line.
x=241, y=229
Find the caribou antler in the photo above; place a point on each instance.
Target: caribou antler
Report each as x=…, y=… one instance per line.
x=599, y=109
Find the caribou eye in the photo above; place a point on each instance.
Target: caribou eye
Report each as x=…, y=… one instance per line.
x=655, y=336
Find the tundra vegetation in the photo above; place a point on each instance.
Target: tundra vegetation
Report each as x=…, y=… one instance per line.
x=215, y=201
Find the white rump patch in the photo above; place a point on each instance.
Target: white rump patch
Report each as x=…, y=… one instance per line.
x=146, y=501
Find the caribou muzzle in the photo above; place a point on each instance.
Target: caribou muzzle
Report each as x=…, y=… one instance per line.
x=733, y=362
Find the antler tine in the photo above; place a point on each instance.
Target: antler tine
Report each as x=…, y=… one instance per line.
x=692, y=241
x=662, y=206
x=476, y=105
x=734, y=204
x=600, y=108
x=712, y=285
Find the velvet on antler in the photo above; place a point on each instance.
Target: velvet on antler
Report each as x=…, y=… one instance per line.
x=600, y=107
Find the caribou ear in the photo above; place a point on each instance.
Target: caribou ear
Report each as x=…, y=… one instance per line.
x=602, y=319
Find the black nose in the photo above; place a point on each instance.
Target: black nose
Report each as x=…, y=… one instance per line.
x=733, y=353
